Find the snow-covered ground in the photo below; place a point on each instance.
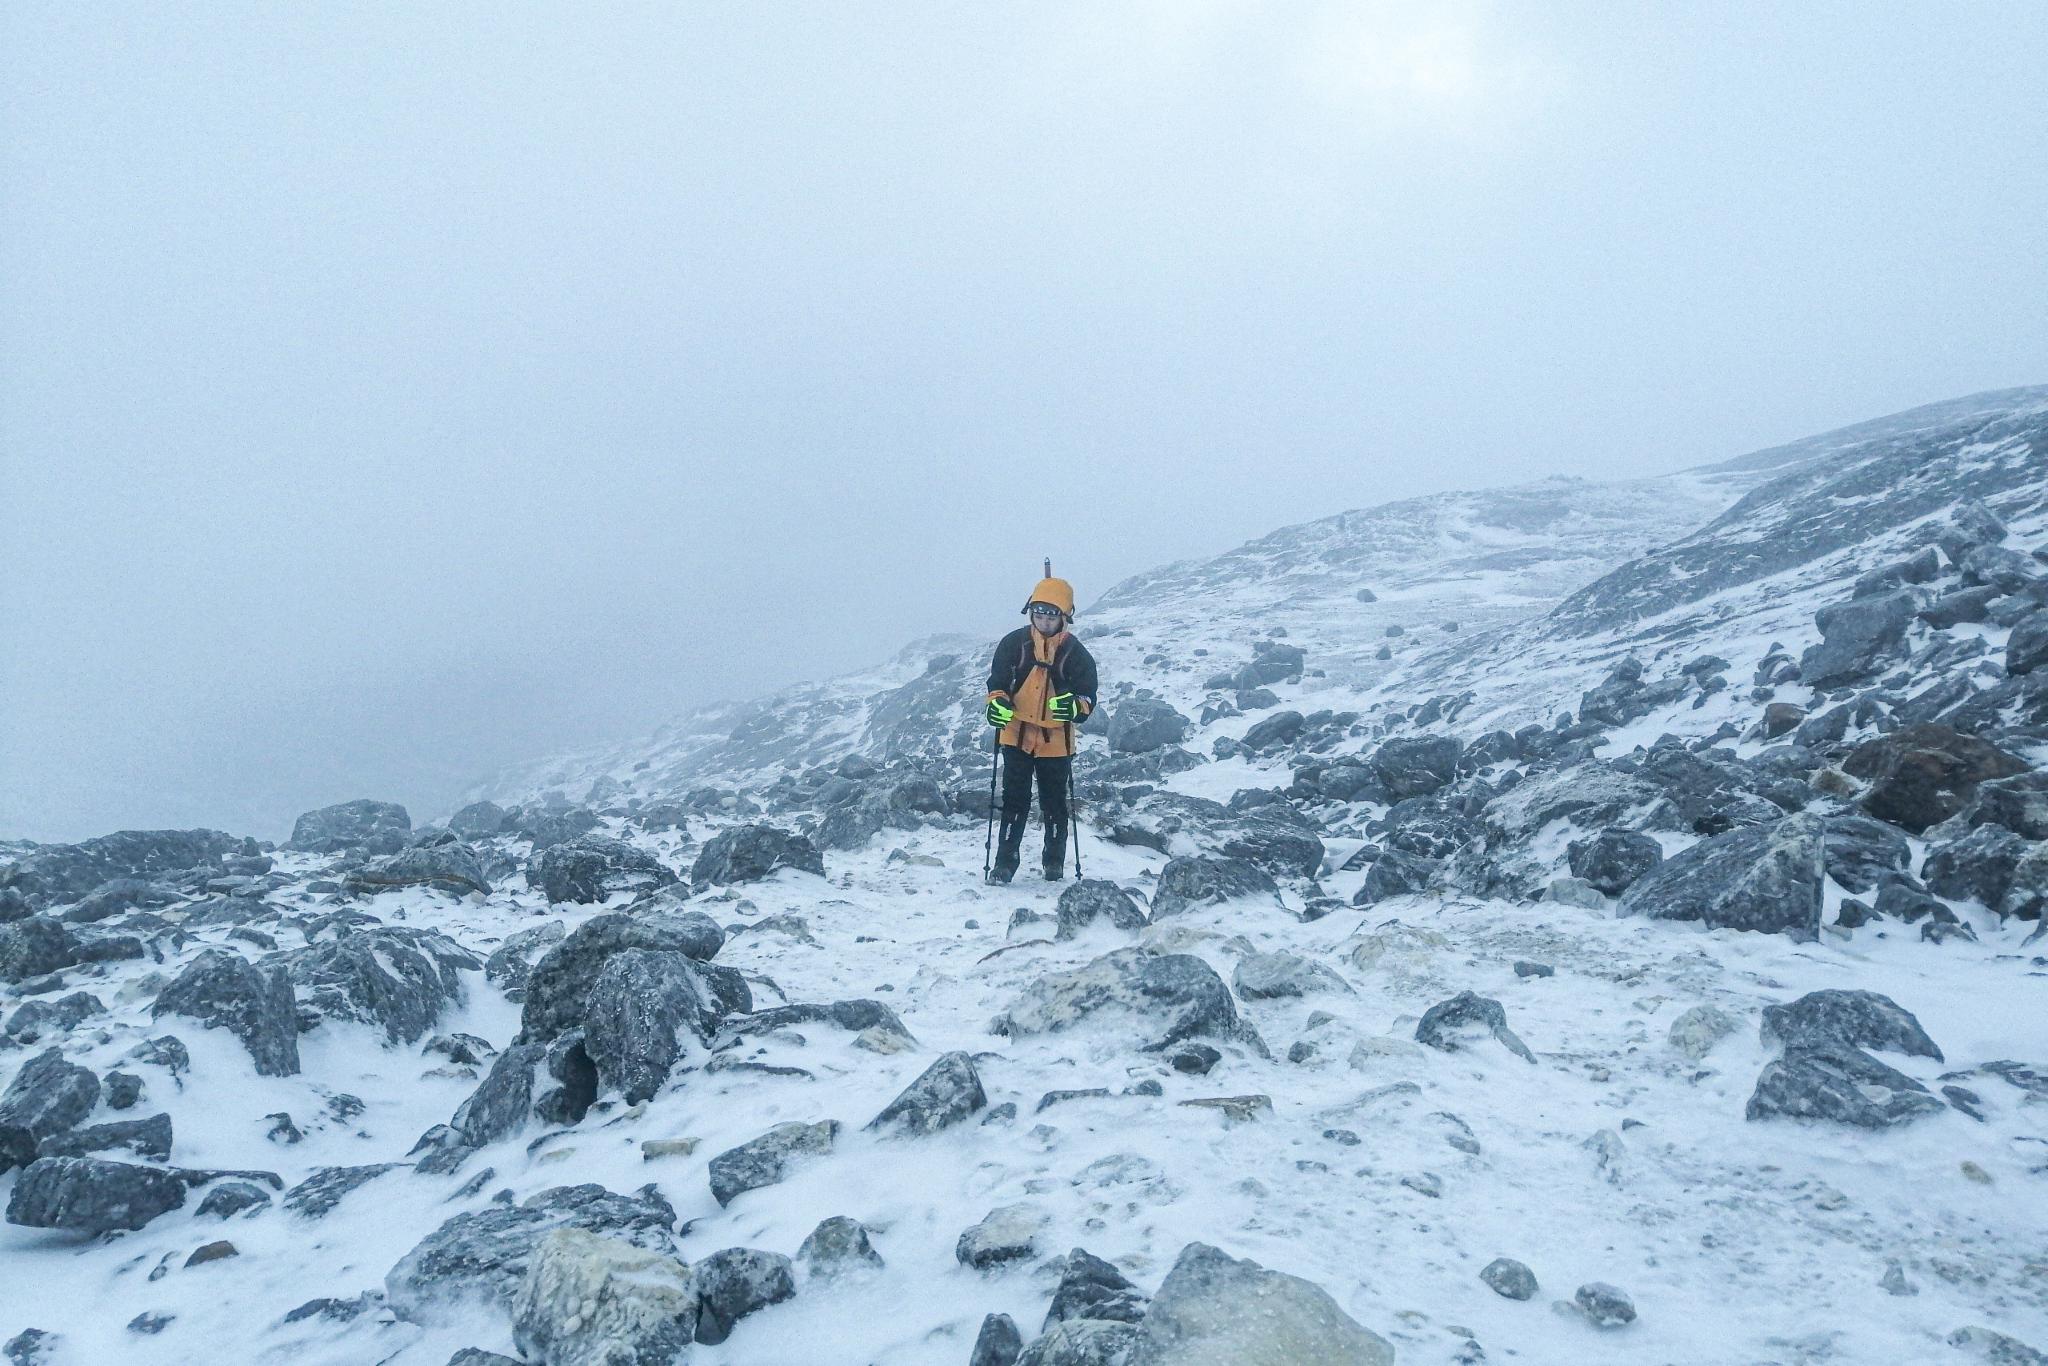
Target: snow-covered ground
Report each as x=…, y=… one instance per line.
x=1739, y=1242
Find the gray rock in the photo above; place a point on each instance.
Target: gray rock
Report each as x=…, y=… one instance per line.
x=150, y=1138
x=837, y=1246
x=748, y=853
x=1857, y=636
x=1269, y=976
x=1695, y=1032
x=1396, y=872
x=2026, y=649
x=1995, y=1349
x=1273, y=732
x=223, y=990
x=47, y=1096
x=1093, y=899
x=1765, y=879
x=643, y=1009
x=767, y=1160
x=368, y=826
x=229, y=1198
x=733, y=1284
x=998, y=1344
x=400, y=979
x=317, y=1195
x=448, y=866
x=1215, y=1310
x=1441, y=1022
x=558, y=990
x=33, y=1347
x=480, y=820
x=52, y=874
x=1167, y=996
x=589, y=1300
x=1204, y=880
x=2026, y=895
x=591, y=868
x=34, y=946
x=1140, y=725
x=92, y=1194
x=1850, y=1019
x=123, y=1090
x=482, y=1257
x=1082, y=1342
x=38, y=1019
x=1415, y=766
x=1614, y=859
x=1839, y=1084
x=2018, y=804
x=1979, y=866
x=945, y=1094
x=1860, y=851
x=1605, y=1306
x=165, y=1051
x=1510, y=1279
x=1006, y=1234
x=503, y=1100
x=1091, y=1288
x=510, y=964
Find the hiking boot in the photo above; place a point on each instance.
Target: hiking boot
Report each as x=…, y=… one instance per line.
x=1055, y=861
x=1009, y=850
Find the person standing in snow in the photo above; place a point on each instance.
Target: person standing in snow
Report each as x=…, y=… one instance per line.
x=1041, y=685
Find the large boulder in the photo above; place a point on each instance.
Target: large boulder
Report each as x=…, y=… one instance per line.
x=2018, y=804
x=1273, y=976
x=53, y=874
x=1091, y=1288
x=446, y=864
x=1861, y=851
x=1143, y=724
x=2026, y=649
x=1216, y=1310
x=1849, y=1019
x=1857, y=636
x=398, y=978
x=503, y=1099
x=1415, y=766
x=1273, y=843
x=1764, y=878
x=591, y=868
x=1082, y=1342
x=47, y=1096
x=482, y=1257
x=558, y=989
x=1275, y=731
x=1977, y=866
x=224, y=990
x=589, y=1300
x=735, y=1283
x=1396, y=872
x=1092, y=899
x=480, y=820
x=1205, y=880
x=747, y=853
x=944, y=1094
x=1165, y=997
x=364, y=826
x=1839, y=1084
x=1614, y=859
x=35, y=945
x=92, y=1194
x=1921, y=775
x=767, y=1160
x=644, y=1010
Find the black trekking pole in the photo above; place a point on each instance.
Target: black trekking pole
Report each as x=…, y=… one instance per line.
x=1073, y=807
x=988, y=842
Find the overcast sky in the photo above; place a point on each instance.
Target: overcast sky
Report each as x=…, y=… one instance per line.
x=391, y=392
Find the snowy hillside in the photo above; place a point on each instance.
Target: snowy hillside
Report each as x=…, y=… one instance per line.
x=1635, y=957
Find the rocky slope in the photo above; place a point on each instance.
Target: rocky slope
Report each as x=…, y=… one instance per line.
x=1648, y=970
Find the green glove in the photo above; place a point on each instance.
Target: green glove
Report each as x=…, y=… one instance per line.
x=1061, y=707
x=1000, y=713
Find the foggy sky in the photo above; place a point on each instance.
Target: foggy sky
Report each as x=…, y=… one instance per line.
x=391, y=392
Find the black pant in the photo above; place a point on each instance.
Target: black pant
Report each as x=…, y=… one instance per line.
x=1018, y=770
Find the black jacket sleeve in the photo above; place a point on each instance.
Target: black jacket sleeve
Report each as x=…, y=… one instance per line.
x=1079, y=677
x=1002, y=669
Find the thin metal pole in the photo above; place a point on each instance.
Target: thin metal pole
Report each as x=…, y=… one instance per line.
x=988, y=841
